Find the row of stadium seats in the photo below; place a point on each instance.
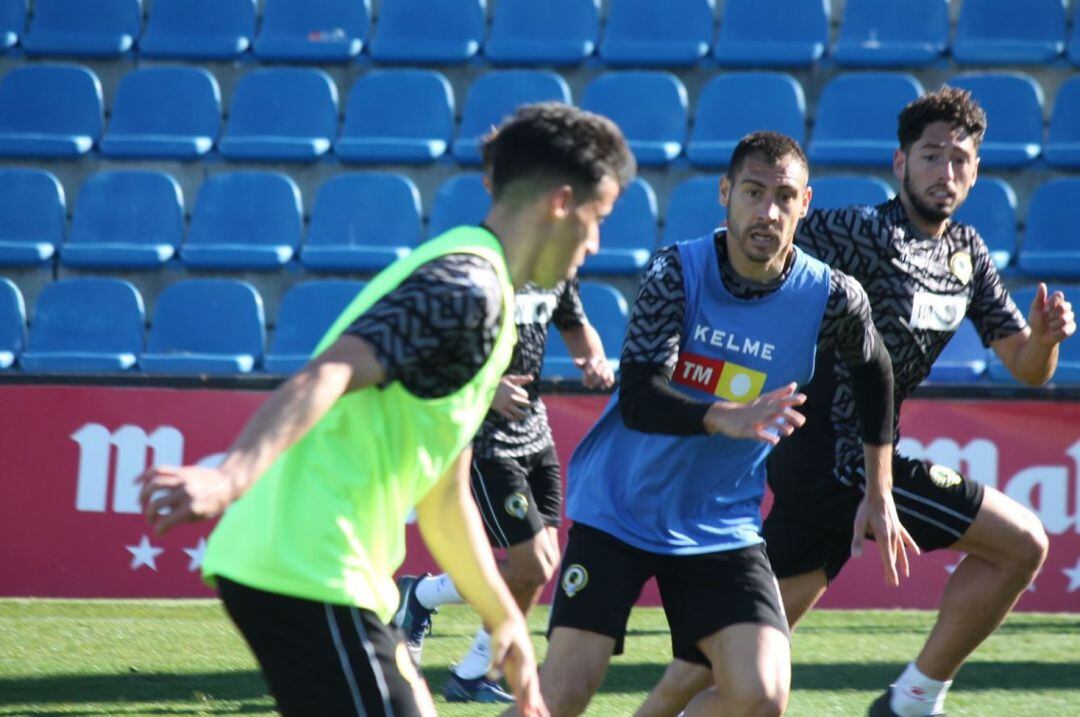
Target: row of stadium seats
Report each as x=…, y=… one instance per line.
x=560, y=32
x=362, y=221
x=208, y=326
x=407, y=115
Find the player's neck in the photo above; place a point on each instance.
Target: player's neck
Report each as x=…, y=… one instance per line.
x=517, y=235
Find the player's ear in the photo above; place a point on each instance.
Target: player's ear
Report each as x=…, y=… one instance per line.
x=725, y=191
x=808, y=194
x=560, y=201
x=899, y=162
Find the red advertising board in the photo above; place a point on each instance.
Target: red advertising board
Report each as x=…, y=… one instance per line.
x=71, y=527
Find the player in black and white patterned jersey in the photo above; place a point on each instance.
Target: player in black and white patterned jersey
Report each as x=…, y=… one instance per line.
x=923, y=273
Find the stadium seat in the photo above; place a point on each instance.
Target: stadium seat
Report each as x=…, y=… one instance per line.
x=644, y=33
x=199, y=29
x=555, y=32
x=964, y=358
x=164, y=113
x=991, y=209
x=856, y=117
x=307, y=312
x=312, y=30
x=1068, y=366
x=1063, y=143
x=693, y=210
x=105, y=28
x=1005, y=32
x=91, y=325
x=628, y=235
x=885, y=33
x=773, y=33
x=12, y=22
x=282, y=114
x=1073, y=50
x=1014, y=111
x=206, y=326
x=126, y=220
x=397, y=116
x=724, y=116
x=244, y=220
x=460, y=200
x=848, y=190
x=419, y=31
x=362, y=222
x=1050, y=249
x=608, y=313
x=650, y=107
x=12, y=323
x=49, y=111
x=495, y=96
x=32, y=217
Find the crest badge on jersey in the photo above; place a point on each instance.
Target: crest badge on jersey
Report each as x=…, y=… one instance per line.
x=574, y=579
x=944, y=477
x=517, y=505
x=960, y=266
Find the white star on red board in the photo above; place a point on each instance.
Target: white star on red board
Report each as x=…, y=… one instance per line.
x=196, y=554
x=144, y=554
x=1073, y=574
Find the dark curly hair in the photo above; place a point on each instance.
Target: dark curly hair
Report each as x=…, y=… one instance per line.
x=555, y=142
x=772, y=146
x=949, y=104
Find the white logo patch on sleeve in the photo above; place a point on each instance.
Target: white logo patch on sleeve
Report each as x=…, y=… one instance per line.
x=936, y=312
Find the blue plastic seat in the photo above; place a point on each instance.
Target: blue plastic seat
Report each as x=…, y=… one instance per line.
x=91, y=325
x=397, y=116
x=856, y=117
x=773, y=33
x=312, y=30
x=104, y=28
x=991, y=208
x=362, y=222
x=49, y=111
x=608, y=313
x=1068, y=366
x=199, y=29
x=963, y=360
x=281, y=114
x=495, y=96
x=1050, y=248
x=1063, y=143
x=244, y=220
x=1073, y=50
x=723, y=116
x=460, y=200
x=1004, y=32
x=1014, y=110
x=555, y=32
x=12, y=22
x=164, y=113
x=649, y=106
x=628, y=235
x=127, y=220
x=307, y=312
x=644, y=33
x=420, y=31
x=32, y=217
x=694, y=209
x=886, y=33
x=849, y=190
x=12, y=323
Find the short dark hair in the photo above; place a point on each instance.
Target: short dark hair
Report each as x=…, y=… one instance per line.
x=949, y=104
x=771, y=146
x=556, y=141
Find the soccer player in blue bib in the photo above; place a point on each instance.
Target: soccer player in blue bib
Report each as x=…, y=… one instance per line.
x=669, y=482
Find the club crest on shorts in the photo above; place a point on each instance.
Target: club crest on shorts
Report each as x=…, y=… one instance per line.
x=960, y=266
x=944, y=477
x=517, y=505
x=574, y=579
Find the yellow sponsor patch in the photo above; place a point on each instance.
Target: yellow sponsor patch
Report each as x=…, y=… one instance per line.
x=738, y=383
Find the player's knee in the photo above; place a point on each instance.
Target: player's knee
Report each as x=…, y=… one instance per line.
x=758, y=699
x=1032, y=549
x=569, y=697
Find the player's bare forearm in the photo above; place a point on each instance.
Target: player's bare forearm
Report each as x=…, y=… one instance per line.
x=585, y=346
x=1031, y=355
x=878, y=462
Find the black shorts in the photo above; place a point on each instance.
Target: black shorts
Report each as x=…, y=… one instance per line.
x=517, y=497
x=322, y=659
x=811, y=528
x=601, y=578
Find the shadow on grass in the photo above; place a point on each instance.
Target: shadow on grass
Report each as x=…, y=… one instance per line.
x=973, y=677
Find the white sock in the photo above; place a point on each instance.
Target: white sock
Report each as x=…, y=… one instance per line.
x=437, y=590
x=916, y=695
x=478, y=660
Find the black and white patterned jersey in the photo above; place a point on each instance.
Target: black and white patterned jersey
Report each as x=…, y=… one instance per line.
x=436, y=329
x=920, y=290
x=535, y=309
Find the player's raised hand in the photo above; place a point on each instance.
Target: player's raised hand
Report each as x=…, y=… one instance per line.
x=511, y=400
x=877, y=517
x=1051, y=317
x=595, y=372
x=768, y=418
x=512, y=651
x=173, y=495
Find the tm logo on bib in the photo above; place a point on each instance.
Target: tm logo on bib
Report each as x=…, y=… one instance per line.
x=725, y=379
x=935, y=312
